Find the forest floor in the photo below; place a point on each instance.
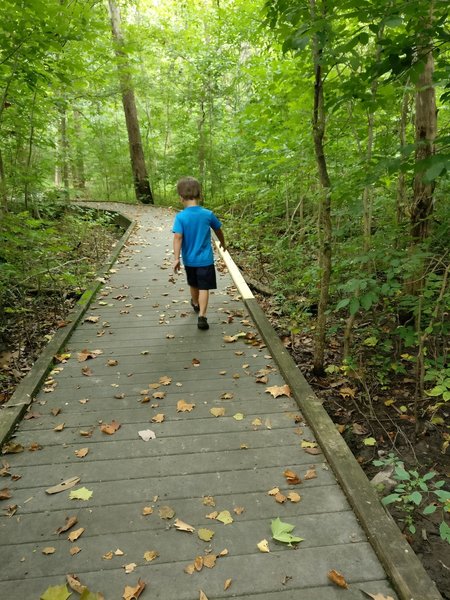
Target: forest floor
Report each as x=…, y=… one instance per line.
x=357, y=411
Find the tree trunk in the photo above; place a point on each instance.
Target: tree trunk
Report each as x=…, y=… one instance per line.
x=202, y=144
x=29, y=153
x=79, y=175
x=425, y=133
x=140, y=177
x=3, y=192
x=401, y=183
x=325, y=228
x=64, y=153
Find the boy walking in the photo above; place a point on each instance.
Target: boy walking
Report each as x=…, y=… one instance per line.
x=192, y=237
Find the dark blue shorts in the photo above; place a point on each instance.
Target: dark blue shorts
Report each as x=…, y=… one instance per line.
x=203, y=278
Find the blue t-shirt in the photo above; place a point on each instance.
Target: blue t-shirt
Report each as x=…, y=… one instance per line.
x=195, y=223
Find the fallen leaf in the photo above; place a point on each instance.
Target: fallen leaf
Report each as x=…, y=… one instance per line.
x=229, y=339
x=48, y=550
x=86, y=433
x=227, y=396
x=147, y=434
x=208, y=501
x=358, y=429
x=87, y=372
x=75, y=584
x=159, y=418
x=195, y=362
x=110, y=428
x=91, y=319
x=225, y=517
x=112, y=362
x=313, y=451
x=56, y=592
x=347, y=392
x=118, y=552
x=159, y=395
x=63, y=486
x=282, y=532
x=182, y=526
x=274, y=491
x=227, y=584
x=256, y=422
x=279, y=390
x=55, y=411
x=147, y=510
x=263, y=546
x=280, y=498
x=205, y=534
x=370, y=441
x=74, y=550
x=294, y=497
x=129, y=568
x=291, y=477
x=166, y=512
x=85, y=354
x=310, y=473
x=5, y=494
x=74, y=535
x=217, y=411
x=189, y=569
x=80, y=494
x=12, y=448
x=164, y=380
x=337, y=579
x=150, y=555
x=198, y=563
x=238, y=510
x=307, y=444
x=209, y=561
x=238, y=416
x=108, y=556
x=34, y=447
x=82, y=452
x=212, y=515
x=202, y=596
x=223, y=552
x=70, y=522
x=183, y=406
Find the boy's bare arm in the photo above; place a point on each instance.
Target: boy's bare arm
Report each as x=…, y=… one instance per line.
x=221, y=238
x=177, y=239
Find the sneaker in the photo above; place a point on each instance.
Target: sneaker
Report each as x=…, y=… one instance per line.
x=202, y=323
x=196, y=307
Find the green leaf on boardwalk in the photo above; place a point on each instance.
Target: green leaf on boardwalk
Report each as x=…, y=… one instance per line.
x=80, y=494
x=282, y=532
x=238, y=416
x=225, y=517
x=205, y=534
x=57, y=592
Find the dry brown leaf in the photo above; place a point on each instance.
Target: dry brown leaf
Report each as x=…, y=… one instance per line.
x=202, y=596
x=108, y=555
x=280, y=498
x=347, y=392
x=74, y=584
x=313, y=451
x=87, y=372
x=263, y=546
x=166, y=512
x=12, y=448
x=150, y=555
x=70, y=522
x=291, y=477
x=208, y=501
x=310, y=473
x=337, y=578
x=227, y=584
x=238, y=510
x=118, y=552
x=59, y=427
x=223, y=552
x=195, y=362
x=112, y=362
x=86, y=433
x=217, y=411
x=82, y=452
x=55, y=411
x=159, y=395
x=91, y=319
x=85, y=354
x=294, y=497
x=74, y=550
x=48, y=550
x=133, y=592
x=198, y=563
x=159, y=418
x=129, y=568
x=74, y=535
x=229, y=339
x=147, y=510
x=183, y=406
x=189, y=569
x=274, y=491
x=110, y=428
x=209, y=561
x=5, y=494
x=212, y=515
x=182, y=526
x=227, y=396
x=164, y=380
x=279, y=390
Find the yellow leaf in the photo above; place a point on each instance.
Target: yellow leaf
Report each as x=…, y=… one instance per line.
x=256, y=422
x=48, y=550
x=306, y=444
x=274, y=491
x=205, y=534
x=263, y=546
x=203, y=596
x=166, y=512
x=225, y=517
x=294, y=497
x=227, y=584
x=217, y=411
x=150, y=555
x=238, y=416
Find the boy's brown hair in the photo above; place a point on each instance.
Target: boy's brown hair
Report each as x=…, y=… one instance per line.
x=189, y=188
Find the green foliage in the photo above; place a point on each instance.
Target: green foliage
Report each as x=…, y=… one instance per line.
x=414, y=491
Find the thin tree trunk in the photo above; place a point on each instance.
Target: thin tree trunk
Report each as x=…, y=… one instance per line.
x=425, y=134
x=79, y=174
x=3, y=192
x=30, y=152
x=140, y=177
x=325, y=227
x=201, y=144
x=401, y=183
x=64, y=153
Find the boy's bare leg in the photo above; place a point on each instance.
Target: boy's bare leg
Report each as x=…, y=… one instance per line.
x=194, y=295
x=203, y=297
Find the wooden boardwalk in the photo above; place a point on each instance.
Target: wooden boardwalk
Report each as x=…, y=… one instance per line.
x=153, y=358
